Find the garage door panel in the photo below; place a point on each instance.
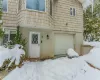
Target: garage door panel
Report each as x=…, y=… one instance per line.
x=62, y=43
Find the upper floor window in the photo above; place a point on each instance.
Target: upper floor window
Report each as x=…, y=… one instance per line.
x=72, y=11
x=5, y=2
x=35, y=5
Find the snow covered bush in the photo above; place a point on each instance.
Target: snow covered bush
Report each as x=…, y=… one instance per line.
x=10, y=56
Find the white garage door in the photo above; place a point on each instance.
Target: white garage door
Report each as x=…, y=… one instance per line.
x=62, y=43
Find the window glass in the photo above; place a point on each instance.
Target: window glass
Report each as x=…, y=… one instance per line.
x=5, y=5
x=34, y=38
x=35, y=4
x=5, y=38
x=12, y=35
x=9, y=35
x=41, y=5
x=72, y=11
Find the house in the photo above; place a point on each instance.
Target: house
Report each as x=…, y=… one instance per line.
x=49, y=26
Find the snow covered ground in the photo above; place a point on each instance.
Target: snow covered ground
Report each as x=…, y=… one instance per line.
x=61, y=68
x=58, y=69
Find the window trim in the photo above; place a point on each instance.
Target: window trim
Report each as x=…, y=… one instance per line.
x=7, y=8
x=34, y=9
x=72, y=11
x=9, y=31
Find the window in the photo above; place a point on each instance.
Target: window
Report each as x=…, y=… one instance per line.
x=72, y=11
x=35, y=5
x=9, y=35
x=51, y=7
x=5, y=2
x=34, y=38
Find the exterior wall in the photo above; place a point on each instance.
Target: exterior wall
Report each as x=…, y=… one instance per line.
x=46, y=47
x=78, y=42
x=43, y=22
x=86, y=49
x=35, y=19
x=10, y=17
x=62, y=15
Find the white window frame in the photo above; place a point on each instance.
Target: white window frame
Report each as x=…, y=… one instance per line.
x=72, y=11
x=34, y=9
x=9, y=31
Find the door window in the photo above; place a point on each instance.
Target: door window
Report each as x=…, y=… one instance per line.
x=34, y=38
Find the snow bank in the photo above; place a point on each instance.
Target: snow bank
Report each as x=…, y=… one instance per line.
x=58, y=69
x=94, y=44
x=13, y=54
x=71, y=53
x=93, y=57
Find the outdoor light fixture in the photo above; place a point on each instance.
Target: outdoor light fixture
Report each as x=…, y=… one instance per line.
x=47, y=36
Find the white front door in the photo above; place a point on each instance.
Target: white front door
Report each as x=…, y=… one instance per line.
x=34, y=45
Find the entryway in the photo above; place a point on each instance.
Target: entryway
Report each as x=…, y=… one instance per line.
x=34, y=45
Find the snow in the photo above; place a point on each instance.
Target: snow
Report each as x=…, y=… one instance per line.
x=13, y=54
x=61, y=68
x=94, y=44
x=86, y=3
x=71, y=53
x=93, y=57
x=58, y=69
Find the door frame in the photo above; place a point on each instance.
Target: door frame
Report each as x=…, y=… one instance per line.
x=30, y=36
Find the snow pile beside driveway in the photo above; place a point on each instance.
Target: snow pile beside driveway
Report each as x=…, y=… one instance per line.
x=94, y=44
x=93, y=57
x=58, y=69
x=13, y=54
